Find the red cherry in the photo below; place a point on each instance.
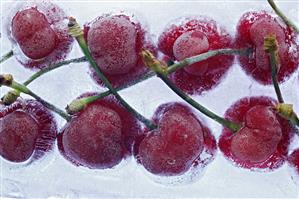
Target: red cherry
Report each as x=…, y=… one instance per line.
x=115, y=42
x=99, y=136
x=193, y=36
x=34, y=34
x=39, y=31
x=177, y=144
x=252, y=28
x=28, y=131
x=263, y=140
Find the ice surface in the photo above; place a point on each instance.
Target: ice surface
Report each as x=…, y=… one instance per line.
x=54, y=177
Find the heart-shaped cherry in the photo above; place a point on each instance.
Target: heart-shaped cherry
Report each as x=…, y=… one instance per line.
x=263, y=140
x=177, y=144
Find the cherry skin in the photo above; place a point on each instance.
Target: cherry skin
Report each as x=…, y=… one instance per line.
x=191, y=37
x=39, y=32
x=28, y=131
x=40, y=39
x=115, y=42
x=177, y=144
x=100, y=136
x=293, y=161
x=262, y=142
x=252, y=28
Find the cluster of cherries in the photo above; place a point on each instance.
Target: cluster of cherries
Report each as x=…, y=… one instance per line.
x=104, y=133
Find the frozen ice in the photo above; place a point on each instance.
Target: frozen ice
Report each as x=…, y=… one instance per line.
x=54, y=177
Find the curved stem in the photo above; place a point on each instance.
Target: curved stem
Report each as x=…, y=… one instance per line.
x=50, y=106
x=204, y=56
x=76, y=31
x=6, y=56
x=281, y=15
x=53, y=67
x=7, y=80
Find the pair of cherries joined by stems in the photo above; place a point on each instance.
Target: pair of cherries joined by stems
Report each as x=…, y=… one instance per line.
x=105, y=132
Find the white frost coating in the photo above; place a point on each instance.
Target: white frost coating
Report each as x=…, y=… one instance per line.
x=221, y=178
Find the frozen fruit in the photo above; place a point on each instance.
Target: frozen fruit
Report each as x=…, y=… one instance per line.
x=188, y=37
x=28, y=131
x=252, y=28
x=293, y=161
x=177, y=144
x=115, y=42
x=39, y=32
x=263, y=140
x=99, y=136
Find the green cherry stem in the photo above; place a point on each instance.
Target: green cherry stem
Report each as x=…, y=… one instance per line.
x=6, y=56
x=12, y=96
x=77, y=106
x=204, y=56
x=281, y=15
x=7, y=80
x=53, y=67
x=162, y=73
x=76, y=31
x=271, y=47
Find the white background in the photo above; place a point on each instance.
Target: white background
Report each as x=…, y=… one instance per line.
x=55, y=177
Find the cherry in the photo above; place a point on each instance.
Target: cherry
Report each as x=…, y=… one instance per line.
x=293, y=161
x=39, y=31
x=252, y=28
x=190, y=37
x=177, y=144
x=115, y=42
x=263, y=140
x=99, y=136
x=28, y=131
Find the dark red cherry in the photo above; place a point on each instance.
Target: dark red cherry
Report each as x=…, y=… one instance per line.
x=177, y=144
x=99, y=136
x=115, y=42
x=39, y=32
x=28, y=131
x=263, y=140
x=252, y=29
x=190, y=37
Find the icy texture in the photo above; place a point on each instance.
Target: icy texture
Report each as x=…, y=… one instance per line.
x=56, y=178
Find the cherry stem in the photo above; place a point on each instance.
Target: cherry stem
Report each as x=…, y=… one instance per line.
x=9, y=82
x=9, y=99
x=162, y=73
x=76, y=31
x=53, y=67
x=6, y=56
x=281, y=15
x=271, y=47
x=170, y=69
x=204, y=56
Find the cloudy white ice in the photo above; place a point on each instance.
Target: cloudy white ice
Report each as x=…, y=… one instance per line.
x=54, y=177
